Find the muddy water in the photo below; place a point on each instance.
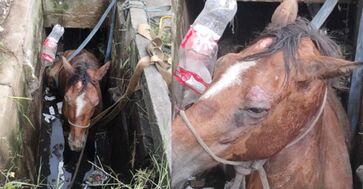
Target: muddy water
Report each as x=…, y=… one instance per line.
x=55, y=169
x=58, y=177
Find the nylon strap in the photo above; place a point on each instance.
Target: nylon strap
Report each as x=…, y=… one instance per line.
x=93, y=32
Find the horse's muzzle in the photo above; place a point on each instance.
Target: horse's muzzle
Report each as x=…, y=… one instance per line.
x=76, y=144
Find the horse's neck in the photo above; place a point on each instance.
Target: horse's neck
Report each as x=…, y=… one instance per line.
x=319, y=159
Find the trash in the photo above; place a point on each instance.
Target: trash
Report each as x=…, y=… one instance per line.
x=97, y=177
x=47, y=90
x=51, y=110
x=48, y=118
x=198, y=51
x=61, y=174
x=59, y=106
x=50, y=45
x=49, y=98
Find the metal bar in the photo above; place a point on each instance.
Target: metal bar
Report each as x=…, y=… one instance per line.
x=323, y=13
x=110, y=36
x=93, y=32
x=355, y=92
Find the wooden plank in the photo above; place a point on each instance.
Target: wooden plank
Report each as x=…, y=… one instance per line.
x=154, y=88
x=73, y=13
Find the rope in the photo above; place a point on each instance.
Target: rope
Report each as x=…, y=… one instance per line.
x=78, y=126
x=204, y=145
x=315, y=121
x=243, y=168
x=78, y=162
x=107, y=54
x=93, y=32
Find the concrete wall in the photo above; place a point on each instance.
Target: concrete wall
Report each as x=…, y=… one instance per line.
x=72, y=13
x=153, y=87
x=20, y=44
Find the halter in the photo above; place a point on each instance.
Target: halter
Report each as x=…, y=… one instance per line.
x=79, y=126
x=244, y=168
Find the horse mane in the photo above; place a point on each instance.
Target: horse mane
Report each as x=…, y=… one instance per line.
x=80, y=74
x=287, y=39
x=81, y=63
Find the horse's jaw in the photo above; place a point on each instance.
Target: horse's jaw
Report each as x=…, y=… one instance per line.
x=188, y=157
x=189, y=163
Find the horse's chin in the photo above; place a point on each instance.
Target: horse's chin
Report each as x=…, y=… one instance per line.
x=76, y=144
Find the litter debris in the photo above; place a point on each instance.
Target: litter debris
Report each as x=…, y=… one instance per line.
x=48, y=118
x=46, y=91
x=97, y=177
x=51, y=110
x=59, y=106
x=49, y=98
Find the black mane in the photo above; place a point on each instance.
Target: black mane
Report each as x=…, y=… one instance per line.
x=80, y=74
x=287, y=40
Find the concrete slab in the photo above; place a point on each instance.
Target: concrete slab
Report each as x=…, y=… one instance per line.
x=73, y=14
x=154, y=88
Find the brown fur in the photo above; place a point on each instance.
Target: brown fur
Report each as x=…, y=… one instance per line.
x=293, y=80
x=79, y=76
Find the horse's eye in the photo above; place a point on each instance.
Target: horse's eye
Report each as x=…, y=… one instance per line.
x=257, y=112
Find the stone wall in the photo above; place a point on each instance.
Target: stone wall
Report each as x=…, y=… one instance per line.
x=20, y=43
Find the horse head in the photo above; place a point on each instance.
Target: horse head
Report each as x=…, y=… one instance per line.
x=260, y=100
x=82, y=95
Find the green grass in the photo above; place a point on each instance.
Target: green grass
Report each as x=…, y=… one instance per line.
x=156, y=176
x=11, y=182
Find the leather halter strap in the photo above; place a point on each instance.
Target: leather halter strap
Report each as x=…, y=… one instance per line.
x=79, y=126
x=244, y=168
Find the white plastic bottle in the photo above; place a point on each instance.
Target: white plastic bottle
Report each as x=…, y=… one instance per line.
x=198, y=51
x=50, y=44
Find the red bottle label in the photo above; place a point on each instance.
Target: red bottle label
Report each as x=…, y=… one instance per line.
x=190, y=80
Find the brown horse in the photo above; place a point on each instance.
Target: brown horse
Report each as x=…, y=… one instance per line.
x=272, y=103
x=78, y=81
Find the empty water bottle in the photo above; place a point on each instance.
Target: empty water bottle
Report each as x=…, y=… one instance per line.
x=50, y=44
x=198, y=51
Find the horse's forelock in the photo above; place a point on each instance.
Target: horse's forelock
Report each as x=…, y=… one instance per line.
x=80, y=74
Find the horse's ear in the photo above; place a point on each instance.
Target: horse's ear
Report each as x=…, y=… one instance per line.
x=67, y=66
x=284, y=14
x=324, y=67
x=102, y=71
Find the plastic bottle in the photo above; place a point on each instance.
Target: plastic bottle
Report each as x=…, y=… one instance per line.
x=198, y=51
x=50, y=44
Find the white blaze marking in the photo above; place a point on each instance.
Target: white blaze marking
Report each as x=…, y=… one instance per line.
x=79, y=104
x=231, y=77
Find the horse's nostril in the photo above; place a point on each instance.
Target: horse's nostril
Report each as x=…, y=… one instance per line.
x=76, y=144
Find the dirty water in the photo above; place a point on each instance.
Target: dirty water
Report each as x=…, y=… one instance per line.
x=59, y=174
